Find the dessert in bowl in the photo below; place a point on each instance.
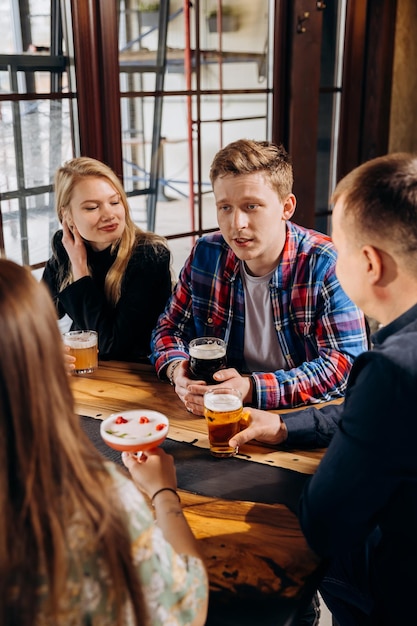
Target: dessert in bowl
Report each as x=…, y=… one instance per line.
x=134, y=431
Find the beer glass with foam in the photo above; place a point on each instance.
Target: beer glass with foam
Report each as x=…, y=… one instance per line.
x=207, y=355
x=83, y=346
x=223, y=411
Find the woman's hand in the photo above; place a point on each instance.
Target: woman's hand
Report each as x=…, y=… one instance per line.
x=152, y=470
x=69, y=360
x=76, y=250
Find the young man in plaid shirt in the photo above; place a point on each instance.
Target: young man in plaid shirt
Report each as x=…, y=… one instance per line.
x=267, y=287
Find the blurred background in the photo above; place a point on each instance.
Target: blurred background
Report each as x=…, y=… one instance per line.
x=154, y=89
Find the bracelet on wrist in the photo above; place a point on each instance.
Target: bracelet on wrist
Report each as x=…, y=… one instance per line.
x=160, y=491
x=171, y=369
x=254, y=400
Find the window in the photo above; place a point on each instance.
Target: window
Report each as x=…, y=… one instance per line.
x=178, y=91
x=37, y=125
x=155, y=101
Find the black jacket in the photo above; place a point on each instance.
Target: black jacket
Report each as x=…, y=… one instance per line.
x=123, y=331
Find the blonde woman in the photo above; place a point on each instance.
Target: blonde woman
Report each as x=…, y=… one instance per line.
x=105, y=273
x=78, y=542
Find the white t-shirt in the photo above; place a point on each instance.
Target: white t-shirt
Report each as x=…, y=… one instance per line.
x=262, y=351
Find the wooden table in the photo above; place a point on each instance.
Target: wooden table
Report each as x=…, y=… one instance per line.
x=260, y=569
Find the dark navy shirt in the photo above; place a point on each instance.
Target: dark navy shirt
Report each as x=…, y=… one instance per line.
x=368, y=476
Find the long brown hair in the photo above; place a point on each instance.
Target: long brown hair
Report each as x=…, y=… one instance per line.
x=66, y=177
x=49, y=470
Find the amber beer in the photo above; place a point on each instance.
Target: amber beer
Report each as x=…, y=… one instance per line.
x=83, y=346
x=223, y=412
x=207, y=355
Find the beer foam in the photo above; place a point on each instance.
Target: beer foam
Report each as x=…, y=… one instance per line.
x=78, y=343
x=222, y=402
x=207, y=351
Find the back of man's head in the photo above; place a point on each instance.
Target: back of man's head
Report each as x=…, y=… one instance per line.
x=247, y=156
x=380, y=197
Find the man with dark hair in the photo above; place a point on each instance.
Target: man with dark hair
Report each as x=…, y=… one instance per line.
x=359, y=510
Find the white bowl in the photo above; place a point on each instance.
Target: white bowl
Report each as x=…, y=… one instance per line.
x=133, y=431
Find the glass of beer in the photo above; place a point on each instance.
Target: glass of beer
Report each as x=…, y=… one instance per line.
x=223, y=410
x=83, y=345
x=207, y=355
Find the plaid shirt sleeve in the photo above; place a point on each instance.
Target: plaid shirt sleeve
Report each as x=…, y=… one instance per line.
x=175, y=327
x=200, y=305
x=321, y=333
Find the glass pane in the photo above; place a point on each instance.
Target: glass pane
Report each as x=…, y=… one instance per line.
x=329, y=42
x=15, y=81
x=137, y=129
x=197, y=124
x=329, y=104
x=25, y=26
x=36, y=138
x=36, y=135
x=28, y=226
x=40, y=25
x=7, y=44
x=324, y=151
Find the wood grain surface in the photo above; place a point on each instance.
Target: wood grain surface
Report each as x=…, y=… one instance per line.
x=250, y=545
x=117, y=386
x=261, y=571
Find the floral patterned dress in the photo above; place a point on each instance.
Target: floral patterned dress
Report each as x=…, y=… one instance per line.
x=174, y=585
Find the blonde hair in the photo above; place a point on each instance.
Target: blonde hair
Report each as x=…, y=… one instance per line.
x=50, y=473
x=247, y=156
x=66, y=177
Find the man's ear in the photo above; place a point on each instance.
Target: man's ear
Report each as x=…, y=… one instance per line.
x=374, y=263
x=289, y=207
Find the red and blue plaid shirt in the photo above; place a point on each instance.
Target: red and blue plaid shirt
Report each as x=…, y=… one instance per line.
x=319, y=329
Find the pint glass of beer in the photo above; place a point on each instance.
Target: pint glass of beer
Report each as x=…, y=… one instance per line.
x=223, y=412
x=207, y=355
x=83, y=346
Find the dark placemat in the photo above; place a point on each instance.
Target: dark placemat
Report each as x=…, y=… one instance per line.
x=234, y=478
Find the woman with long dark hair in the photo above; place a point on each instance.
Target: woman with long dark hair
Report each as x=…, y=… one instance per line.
x=78, y=542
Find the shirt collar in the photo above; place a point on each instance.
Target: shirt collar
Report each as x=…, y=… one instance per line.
x=283, y=272
x=396, y=325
